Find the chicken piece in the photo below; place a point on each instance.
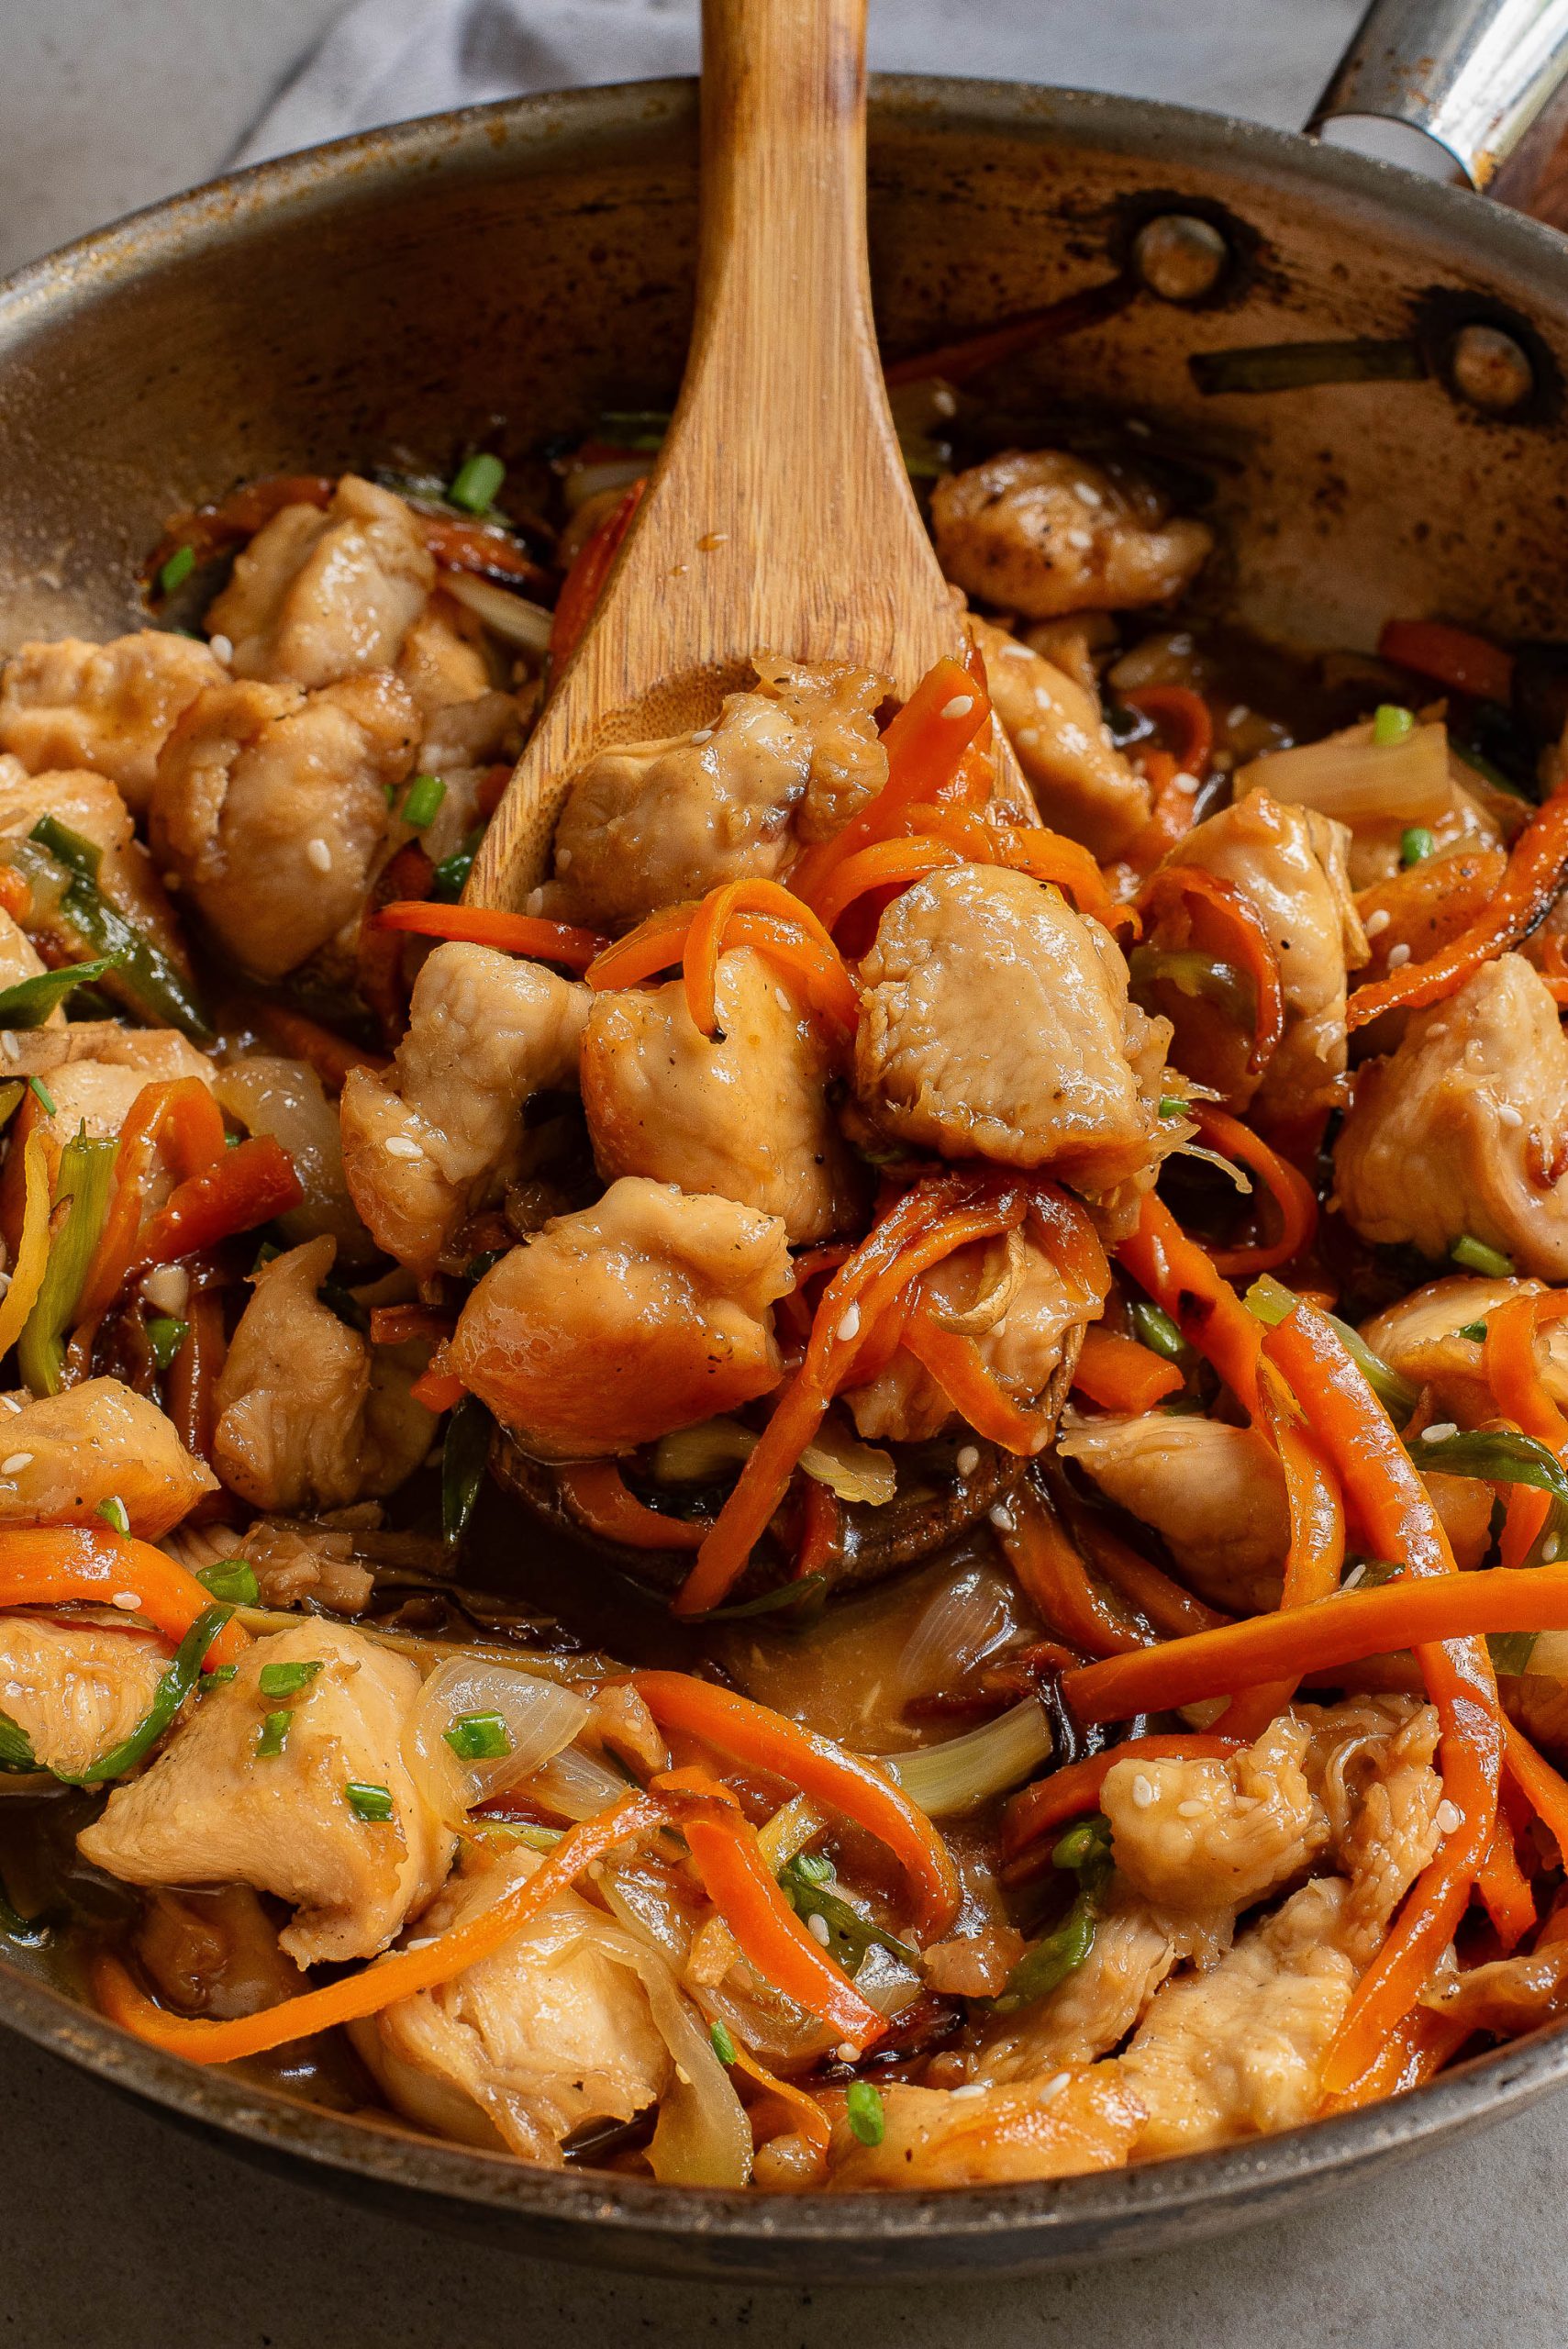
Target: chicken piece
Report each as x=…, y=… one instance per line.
x=615, y=1325
x=1081, y=783
x=744, y=1114
x=1420, y=1337
x=1288, y=865
x=93, y=1072
x=443, y=660
x=834, y=707
x=311, y=1416
x=104, y=707
x=1371, y=1764
x=1043, y=533
x=19, y=960
x=317, y=596
x=1239, y=2052
x=76, y=1690
x=214, y=1810
x=1034, y=1315
x=1067, y=1081
x=462, y=741
x=90, y=806
x=65, y=1454
x=1507, y=1998
x=293, y=1562
x=1100, y=2001
x=270, y=805
x=549, y=2032
x=1215, y=1834
x=1461, y=1130
x=440, y=1132
x=215, y=1953
x=1057, y=2127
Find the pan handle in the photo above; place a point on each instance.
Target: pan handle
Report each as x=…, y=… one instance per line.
x=1473, y=74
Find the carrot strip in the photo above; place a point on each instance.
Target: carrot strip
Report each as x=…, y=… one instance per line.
x=658, y=941
x=437, y=1390
x=1055, y=1579
x=1068, y=1793
x=1414, y=2052
x=51, y=1566
x=1454, y=656
x=180, y=1116
x=1317, y=1555
x=32, y=1248
x=1292, y=1194
x=1426, y=905
x=16, y=897
x=394, y=1325
x=819, y=1529
x=1050, y=856
x=1543, y=1787
x=595, y=1492
x=803, y=2108
x=771, y=1937
x=1165, y=1603
x=1184, y=1281
x=1536, y=868
x=1121, y=1375
x=470, y=546
x=958, y=361
x=724, y=911
x=959, y=1368
x=400, y=1975
x=1518, y=1390
x=589, y=575
x=302, y=1039
x=541, y=940
x=1504, y=1890
x=1188, y=717
x=760, y=1739
x=191, y=1394
x=1180, y=889
x=885, y=864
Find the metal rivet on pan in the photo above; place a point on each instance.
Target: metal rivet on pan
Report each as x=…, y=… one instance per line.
x=1179, y=256
x=1490, y=370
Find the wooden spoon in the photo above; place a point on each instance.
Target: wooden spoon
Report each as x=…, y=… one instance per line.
x=779, y=516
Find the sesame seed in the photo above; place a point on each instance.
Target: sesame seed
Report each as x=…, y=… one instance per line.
x=1136, y=424
x=1441, y=1431
x=1002, y=1517
x=16, y=1463
x=1398, y=956
x=11, y=1402
x=1187, y=783
x=1053, y=2088
x=1143, y=1791
x=1451, y=1819
x=222, y=650
x=562, y=858
x=1088, y=494
x=399, y=1146
x=8, y=1043
x=167, y=1288
x=533, y=904
x=1378, y=923
x=1189, y=1809
x=849, y=1326
x=968, y=1460
x=1549, y=1550
x=1079, y=538
x=1238, y=715
x=969, y=2087
x=944, y=402
x=817, y=1928
x=847, y=2053
x=960, y=706
x=703, y=734
x=1354, y=1576
x=127, y=1601
x=1030, y=734
x=317, y=853
x=1508, y=1115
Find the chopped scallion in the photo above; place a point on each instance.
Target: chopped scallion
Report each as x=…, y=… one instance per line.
x=1477, y=1257
x=286, y=1679
x=1157, y=1330
x=1391, y=724
x=476, y=482
x=1473, y=1330
x=372, y=1804
x=217, y=1676
x=1171, y=1104
x=425, y=795
x=113, y=1512
x=232, y=1579
x=1415, y=844
x=723, y=2046
x=43, y=1096
x=273, y=1734
x=449, y=878
x=177, y=570
x=862, y=2110
x=166, y=1336
x=479, y=1737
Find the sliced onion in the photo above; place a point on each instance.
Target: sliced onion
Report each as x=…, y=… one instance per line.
x=1358, y=780
x=591, y=481
x=970, y=1769
x=850, y=1469
x=701, y=2136
x=541, y=1718
x=512, y=618
x=700, y=1456
x=979, y=1318
x=579, y=1786
x=1227, y=1166
x=963, y=1621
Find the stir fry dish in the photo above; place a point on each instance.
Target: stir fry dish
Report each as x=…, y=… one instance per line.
x=875, y=1498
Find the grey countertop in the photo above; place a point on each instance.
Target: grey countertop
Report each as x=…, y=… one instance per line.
x=127, y=2232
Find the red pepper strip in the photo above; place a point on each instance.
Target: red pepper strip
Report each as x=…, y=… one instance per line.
x=1054, y=1578
x=1121, y=1375
x=1504, y=1890
x=597, y=1494
x=1180, y=889
x=302, y=1039
x=1316, y=1556
x=771, y=1937
x=51, y=1566
x=760, y=1739
x=717, y=916
x=1183, y=1282
x=1397, y=1512
x=1520, y=1393
x=1069, y=1793
x=1163, y=1602
x=1455, y=657
x=958, y=361
x=924, y=744
x=248, y=1185
x=1292, y=1194
x=179, y=1117
x=1538, y=865
x=588, y=577
x=400, y=1975
x=1188, y=716
x=541, y=940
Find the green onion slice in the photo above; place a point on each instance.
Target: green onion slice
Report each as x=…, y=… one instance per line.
x=273, y=1734
x=286, y=1679
x=179, y=1679
x=723, y=2046
x=864, y=2112
x=479, y=1737
x=423, y=801
x=233, y=1579
x=30, y=1003
x=372, y=1804
x=1477, y=1257
x=166, y=1336
x=476, y=482
x=1415, y=844
x=177, y=570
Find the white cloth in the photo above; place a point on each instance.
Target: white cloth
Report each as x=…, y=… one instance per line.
x=384, y=60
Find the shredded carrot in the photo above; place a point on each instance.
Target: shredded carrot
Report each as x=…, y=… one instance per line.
x=541, y=940
x=760, y=1739
x=1543, y=1787
x=1414, y=2052
x=16, y=897
x=1453, y=656
x=1072, y=1791
x=1055, y=1579
x=1537, y=867
x=1504, y=1890
x=1183, y=1280
x=956, y=361
x=302, y=1039
x=1292, y=1194
x=1186, y=716
x=771, y=1937
x=885, y=864
x=191, y=1393
x=597, y=1494
x=1315, y=1559
x=589, y=575
x=1051, y=856
x=1163, y=1602
x=759, y=914
x=960, y=1369
x=1173, y=807
x=53, y=1566
x=473, y=546
x=1425, y=907
x=32, y=1249
x=658, y=941
x=1119, y=1375
x=437, y=1390
x=819, y=1529
x=400, y=1975
x=1508, y=1362
x=394, y=1325
x=1200, y=901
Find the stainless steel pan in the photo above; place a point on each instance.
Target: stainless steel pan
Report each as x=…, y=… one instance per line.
x=394, y=293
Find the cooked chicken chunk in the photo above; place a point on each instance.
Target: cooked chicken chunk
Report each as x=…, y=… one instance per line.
x=551, y=2032
x=19, y=960
x=215, y=1953
x=1100, y=2001
x=1056, y=2127
x=442, y=1130
x=1238, y=2051
x=1288, y=863
x=462, y=742
x=90, y=806
x=319, y=596
x=1461, y=1130
x=744, y=1114
x=1082, y=784
x=1370, y=1761
x=1042, y=533
x=311, y=1416
x=442, y=659
x=834, y=707
x=215, y=1809
x=1029, y=1319
x=615, y=1325
x=106, y=707
x=1052, y=1082
x=1215, y=1834
x=65, y=1454
x=77, y=1690
x=1421, y=1338
x=270, y=804
x=94, y=1071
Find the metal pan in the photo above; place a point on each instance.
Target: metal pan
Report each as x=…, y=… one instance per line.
x=388, y=296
